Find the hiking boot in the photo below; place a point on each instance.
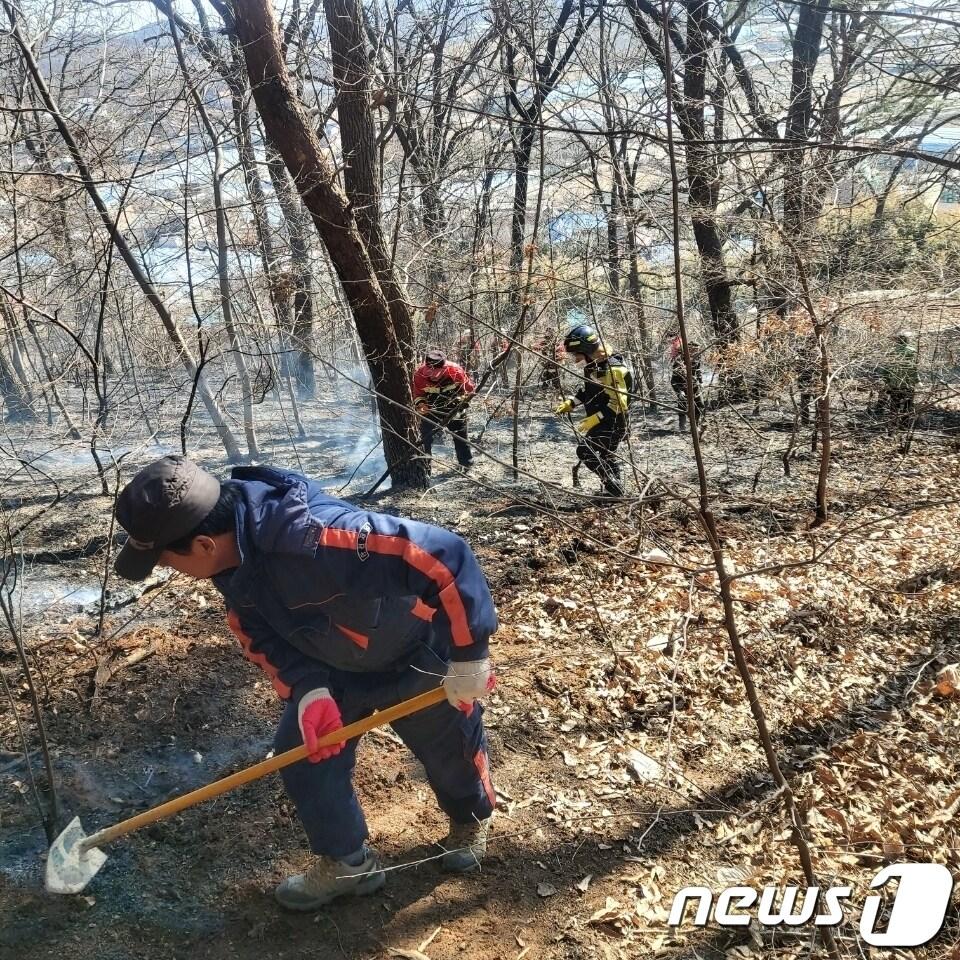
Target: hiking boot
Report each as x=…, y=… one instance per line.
x=613, y=487
x=328, y=879
x=466, y=845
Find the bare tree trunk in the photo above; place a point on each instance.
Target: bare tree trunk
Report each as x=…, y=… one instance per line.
x=51, y=384
x=806, y=52
x=703, y=172
x=640, y=313
x=703, y=176
x=301, y=328
x=18, y=409
x=613, y=241
x=286, y=124
x=223, y=269
x=16, y=352
x=169, y=324
x=15, y=386
x=351, y=74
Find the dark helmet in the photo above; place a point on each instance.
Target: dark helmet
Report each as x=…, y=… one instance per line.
x=435, y=358
x=582, y=339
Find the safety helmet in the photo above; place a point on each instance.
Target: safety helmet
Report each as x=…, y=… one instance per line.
x=435, y=358
x=582, y=339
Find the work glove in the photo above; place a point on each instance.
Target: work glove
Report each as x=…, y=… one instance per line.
x=588, y=423
x=468, y=680
x=566, y=405
x=318, y=714
x=422, y=407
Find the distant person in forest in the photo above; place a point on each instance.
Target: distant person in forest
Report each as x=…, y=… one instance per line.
x=605, y=396
x=900, y=377
x=347, y=612
x=441, y=393
x=551, y=352
x=678, y=378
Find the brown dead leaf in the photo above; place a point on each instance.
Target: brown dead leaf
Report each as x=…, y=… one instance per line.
x=893, y=849
x=832, y=813
x=948, y=681
x=610, y=911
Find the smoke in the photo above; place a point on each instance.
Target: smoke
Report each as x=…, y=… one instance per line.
x=360, y=449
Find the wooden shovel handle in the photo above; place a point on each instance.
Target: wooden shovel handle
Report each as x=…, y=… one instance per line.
x=261, y=769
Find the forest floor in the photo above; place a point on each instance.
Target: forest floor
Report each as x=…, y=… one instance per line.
x=623, y=749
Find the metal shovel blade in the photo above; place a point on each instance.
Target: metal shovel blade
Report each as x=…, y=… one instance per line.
x=70, y=865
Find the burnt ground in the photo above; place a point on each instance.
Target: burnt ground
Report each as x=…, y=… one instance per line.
x=623, y=750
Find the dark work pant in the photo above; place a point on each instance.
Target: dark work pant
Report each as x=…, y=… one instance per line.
x=679, y=383
x=429, y=429
x=597, y=450
x=451, y=746
x=901, y=403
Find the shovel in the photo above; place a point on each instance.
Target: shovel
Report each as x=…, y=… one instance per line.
x=74, y=858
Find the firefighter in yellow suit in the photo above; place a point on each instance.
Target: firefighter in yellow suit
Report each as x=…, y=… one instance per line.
x=605, y=396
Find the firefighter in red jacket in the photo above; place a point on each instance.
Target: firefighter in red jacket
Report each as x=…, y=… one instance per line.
x=441, y=392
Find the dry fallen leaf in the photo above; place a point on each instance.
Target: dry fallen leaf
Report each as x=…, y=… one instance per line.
x=609, y=911
x=733, y=876
x=546, y=889
x=656, y=555
x=584, y=884
x=948, y=681
x=644, y=768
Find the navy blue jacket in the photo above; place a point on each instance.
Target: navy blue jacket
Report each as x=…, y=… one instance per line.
x=323, y=584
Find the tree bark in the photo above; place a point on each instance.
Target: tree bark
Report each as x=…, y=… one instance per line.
x=298, y=225
x=286, y=124
x=17, y=407
x=703, y=176
x=806, y=52
x=351, y=75
x=16, y=386
x=703, y=171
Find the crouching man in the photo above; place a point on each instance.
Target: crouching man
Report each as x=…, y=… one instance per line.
x=347, y=612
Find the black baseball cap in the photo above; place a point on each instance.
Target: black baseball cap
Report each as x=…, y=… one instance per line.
x=161, y=504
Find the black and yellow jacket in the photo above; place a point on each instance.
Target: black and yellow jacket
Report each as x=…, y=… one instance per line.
x=605, y=394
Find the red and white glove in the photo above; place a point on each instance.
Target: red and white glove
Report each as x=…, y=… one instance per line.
x=319, y=714
x=468, y=680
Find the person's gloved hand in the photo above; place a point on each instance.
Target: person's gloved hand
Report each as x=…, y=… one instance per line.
x=588, y=423
x=468, y=680
x=422, y=407
x=319, y=714
x=566, y=405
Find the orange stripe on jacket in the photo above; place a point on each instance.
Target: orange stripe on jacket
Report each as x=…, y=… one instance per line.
x=246, y=644
x=358, y=638
x=420, y=560
x=423, y=610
